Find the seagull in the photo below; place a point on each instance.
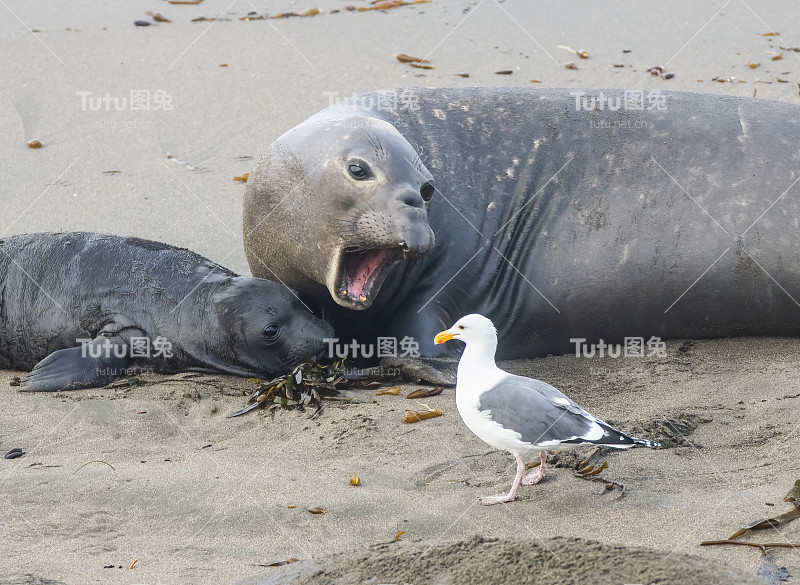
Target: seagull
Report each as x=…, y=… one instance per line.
x=519, y=414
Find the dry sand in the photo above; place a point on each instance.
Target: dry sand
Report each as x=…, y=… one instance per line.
x=199, y=498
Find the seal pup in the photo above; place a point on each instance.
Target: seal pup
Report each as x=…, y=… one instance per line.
x=82, y=309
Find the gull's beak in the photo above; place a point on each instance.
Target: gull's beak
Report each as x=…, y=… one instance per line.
x=443, y=336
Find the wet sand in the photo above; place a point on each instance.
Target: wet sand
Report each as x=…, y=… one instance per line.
x=197, y=497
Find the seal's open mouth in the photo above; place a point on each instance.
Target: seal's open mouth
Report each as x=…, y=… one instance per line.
x=358, y=275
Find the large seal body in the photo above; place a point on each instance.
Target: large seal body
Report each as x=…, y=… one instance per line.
x=83, y=308
x=566, y=215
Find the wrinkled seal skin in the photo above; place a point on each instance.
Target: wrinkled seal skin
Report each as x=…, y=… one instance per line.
x=58, y=288
x=602, y=248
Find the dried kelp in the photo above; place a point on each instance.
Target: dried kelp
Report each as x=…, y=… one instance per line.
x=403, y=58
x=776, y=522
x=426, y=392
x=279, y=563
x=386, y=4
x=793, y=496
x=592, y=473
x=306, y=384
x=762, y=546
x=414, y=416
x=582, y=53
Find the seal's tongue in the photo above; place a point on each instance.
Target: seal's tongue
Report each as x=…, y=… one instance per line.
x=359, y=269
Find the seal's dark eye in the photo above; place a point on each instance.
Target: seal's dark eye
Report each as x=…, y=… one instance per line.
x=272, y=332
x=426, y=191
x=358, y=172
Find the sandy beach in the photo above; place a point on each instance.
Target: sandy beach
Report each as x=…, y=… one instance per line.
x=197, y=497
x=157, y=474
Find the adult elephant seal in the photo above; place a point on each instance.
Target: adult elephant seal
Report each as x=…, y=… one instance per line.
x=95, y=307
x=561, y=215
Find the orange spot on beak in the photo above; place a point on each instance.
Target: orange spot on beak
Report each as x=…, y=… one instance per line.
x=443, y=336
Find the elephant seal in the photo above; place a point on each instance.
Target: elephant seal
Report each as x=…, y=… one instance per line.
x=82, y=309
x=568, y=217
x=356, y=205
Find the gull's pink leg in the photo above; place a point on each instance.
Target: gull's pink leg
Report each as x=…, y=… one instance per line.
x=536, y=475
x=512, y=495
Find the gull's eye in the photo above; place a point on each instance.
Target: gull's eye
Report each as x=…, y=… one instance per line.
x=272, y=332
x=357, y=171
x=461, y=327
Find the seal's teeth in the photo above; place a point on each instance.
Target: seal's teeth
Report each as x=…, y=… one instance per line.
x=343, y=293
x=405, y=255
x=362, y=298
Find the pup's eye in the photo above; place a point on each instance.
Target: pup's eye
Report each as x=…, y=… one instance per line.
x=272, y=332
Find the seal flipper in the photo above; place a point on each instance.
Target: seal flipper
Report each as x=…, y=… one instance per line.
x=440, y=371
x=432, y=363
x=74, y=368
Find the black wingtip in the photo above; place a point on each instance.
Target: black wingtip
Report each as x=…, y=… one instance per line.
x=615, y=438
x=623, y=441
x=646, y=443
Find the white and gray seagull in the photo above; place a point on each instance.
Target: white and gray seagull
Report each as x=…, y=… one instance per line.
x=519, y=414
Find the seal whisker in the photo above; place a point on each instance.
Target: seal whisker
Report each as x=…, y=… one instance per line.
x=380, y=151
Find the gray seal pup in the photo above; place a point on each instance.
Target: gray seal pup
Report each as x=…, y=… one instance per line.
x=82, y=309
x=572, y=219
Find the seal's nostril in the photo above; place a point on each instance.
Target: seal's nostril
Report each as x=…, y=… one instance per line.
x=412, y=199
x=426, y=191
